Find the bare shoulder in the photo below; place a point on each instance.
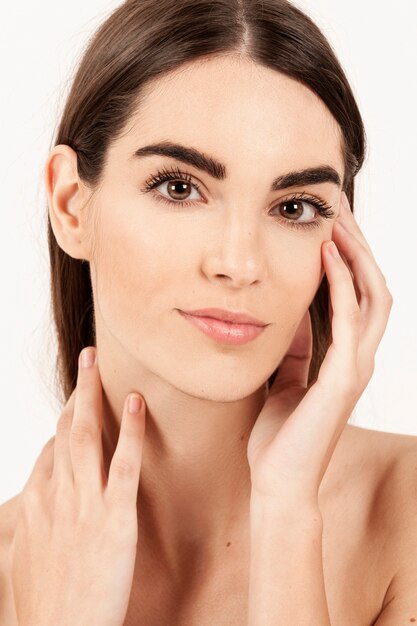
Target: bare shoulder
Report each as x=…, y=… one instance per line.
x=400, y=601
x=389, y=463
x=8, y=513
x=391, y=459
x=385, y=453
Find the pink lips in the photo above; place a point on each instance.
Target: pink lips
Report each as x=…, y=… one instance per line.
x=223, y=331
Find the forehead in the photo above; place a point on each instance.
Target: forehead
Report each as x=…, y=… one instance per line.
x=238, y=109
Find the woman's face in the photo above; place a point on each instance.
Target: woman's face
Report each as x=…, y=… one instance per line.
x=235, y=245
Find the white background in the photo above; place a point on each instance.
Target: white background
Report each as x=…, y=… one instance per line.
x=40, y=46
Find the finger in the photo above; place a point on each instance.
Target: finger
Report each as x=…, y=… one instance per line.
x=294, y=368
x=85, y=437
x=347, y=218
x=317, y=421
x=62, y=458
x=124, y=471
x=355, y=255
x=43, y=466
x=375, y=300
x=339, y=364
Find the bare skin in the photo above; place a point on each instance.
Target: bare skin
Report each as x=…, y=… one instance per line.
x=368, y=522
x=230, y=248
x=226, y=249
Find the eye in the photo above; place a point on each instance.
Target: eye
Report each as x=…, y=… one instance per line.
x=177, y=186
x=297, y=210
x=291, y=211
x=179, y=190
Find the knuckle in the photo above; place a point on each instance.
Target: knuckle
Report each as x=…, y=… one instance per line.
x=48, y=447
x=47, y=453
x=31, y=499
x=123, y=469
x=83, y=433
x=387, y=298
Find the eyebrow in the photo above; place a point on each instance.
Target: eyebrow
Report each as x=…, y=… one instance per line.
x=206, y=163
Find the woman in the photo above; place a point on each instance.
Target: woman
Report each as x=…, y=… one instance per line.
x=205, y=159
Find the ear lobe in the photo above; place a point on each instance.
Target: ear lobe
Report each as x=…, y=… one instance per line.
x=65, y=200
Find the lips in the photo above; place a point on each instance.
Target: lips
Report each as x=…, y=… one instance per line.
x=227, y=316
x=225, y=331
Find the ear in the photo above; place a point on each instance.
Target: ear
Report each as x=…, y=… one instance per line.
x=67, y=196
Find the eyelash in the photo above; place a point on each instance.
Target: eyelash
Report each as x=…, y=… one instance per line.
x=176, y=174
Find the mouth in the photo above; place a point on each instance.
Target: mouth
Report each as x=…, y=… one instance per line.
x=224, y=331
x=236, y=317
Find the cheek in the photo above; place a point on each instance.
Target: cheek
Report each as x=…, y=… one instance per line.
x=297, y=265
x=141, y=270
x=296, y=284
x=307, y=275
x=144, y=269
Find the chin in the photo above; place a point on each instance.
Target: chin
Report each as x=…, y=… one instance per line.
x=221, y=388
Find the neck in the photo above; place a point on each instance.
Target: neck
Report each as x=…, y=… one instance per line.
x=194, y=487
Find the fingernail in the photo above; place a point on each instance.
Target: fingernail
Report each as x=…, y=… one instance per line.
x=88, y=357
x=134, y=404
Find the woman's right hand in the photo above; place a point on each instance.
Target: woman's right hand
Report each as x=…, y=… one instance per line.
x=74, y=546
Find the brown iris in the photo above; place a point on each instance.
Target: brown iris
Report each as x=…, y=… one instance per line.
x=177, y=187
x=298, y=208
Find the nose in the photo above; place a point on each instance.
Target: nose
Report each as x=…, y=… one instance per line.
x=237, y=257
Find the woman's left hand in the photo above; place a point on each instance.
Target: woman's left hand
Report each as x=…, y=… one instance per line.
x=294, y=437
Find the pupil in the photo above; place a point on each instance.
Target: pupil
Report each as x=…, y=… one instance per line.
x=179, y=187
x=294, y=204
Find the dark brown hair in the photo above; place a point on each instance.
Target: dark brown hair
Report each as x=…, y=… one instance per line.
x=140, y=41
